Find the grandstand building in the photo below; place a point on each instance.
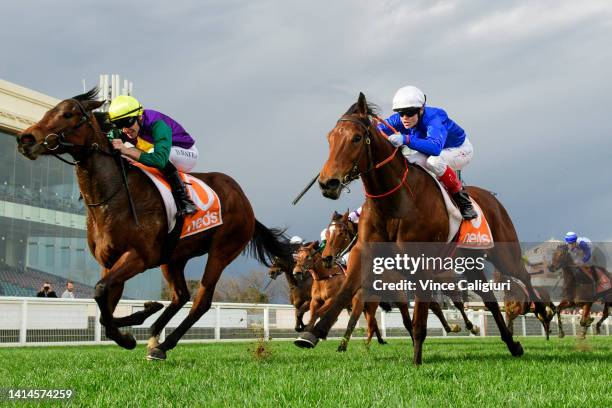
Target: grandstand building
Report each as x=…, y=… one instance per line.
x=42, y=220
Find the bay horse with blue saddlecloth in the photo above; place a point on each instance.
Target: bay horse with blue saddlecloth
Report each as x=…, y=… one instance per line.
x=404, y=204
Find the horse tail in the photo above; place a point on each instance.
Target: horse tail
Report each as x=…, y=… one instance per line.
x=386, y=306
x=268, y=243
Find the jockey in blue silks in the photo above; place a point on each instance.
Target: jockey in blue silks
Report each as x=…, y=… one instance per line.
x=434, y=142
x=580, y=246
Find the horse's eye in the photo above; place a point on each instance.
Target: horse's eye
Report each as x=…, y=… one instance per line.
x=68, y=115
x=356, y=138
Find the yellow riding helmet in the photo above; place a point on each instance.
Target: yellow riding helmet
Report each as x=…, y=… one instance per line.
x=124, y=106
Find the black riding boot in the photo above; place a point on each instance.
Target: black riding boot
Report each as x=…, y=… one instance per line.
x=462, y=199
x=184, y=205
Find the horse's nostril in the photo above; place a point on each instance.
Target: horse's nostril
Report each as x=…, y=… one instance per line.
x=27, y=139
x=330, y=184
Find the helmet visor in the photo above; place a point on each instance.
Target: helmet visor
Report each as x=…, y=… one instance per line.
x=125, y=122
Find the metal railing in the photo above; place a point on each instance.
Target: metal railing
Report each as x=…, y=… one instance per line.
x=43, y=321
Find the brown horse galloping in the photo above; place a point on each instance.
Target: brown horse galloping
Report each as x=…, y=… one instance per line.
x=404, y=204
x=124, y=249
x=299, y=289
x=326, y=284
x=578, y=291
x=342, y=234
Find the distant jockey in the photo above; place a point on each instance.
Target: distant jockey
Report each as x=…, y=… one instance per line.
x=580, y=247
x=436, y=142
x=354, y=216
x=173, y=149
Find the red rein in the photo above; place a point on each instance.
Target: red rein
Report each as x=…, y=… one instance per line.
x=387, y=160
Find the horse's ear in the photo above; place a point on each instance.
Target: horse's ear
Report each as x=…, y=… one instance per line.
x=91, y=105
x=315, y=245
x=362, y=104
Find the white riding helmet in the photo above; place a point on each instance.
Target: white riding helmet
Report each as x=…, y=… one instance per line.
x=296, y=240
x=408, y=97
x=323, y=235
x=354, y=215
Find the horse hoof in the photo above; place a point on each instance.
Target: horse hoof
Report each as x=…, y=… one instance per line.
x=475, y=330
x=156, y=354
x=341, y=349
x=153, y=307
x=382, y=342
x=299, y=329
x=455, y=328
x=128, y=341
x=597, y=330
x=517, y=350
x=561, y=335
x=306, y=340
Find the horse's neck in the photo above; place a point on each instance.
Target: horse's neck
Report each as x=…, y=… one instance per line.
x=290, y=278
x=408, y=197
x=98, y=177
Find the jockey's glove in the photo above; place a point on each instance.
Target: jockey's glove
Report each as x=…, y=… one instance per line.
x=398, y=139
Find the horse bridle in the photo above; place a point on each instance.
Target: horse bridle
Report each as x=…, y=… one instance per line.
x=349, y=245
x=90, y=148
x=61, y=137
x=354, y=173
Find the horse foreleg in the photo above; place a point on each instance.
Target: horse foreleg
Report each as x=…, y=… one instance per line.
x=174, y=274
x=437, y=310
x=357, y=308
x=419, y=329
x=563, y=305
x=472, y=328
x=604, y=316
x=370, y=315
x=299, y=316
x=585, y=320
x=407, y=322
x=108, y=292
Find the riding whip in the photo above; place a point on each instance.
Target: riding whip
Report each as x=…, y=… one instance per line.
x=314, y=180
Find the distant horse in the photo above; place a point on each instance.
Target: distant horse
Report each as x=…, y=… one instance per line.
x=299, y=290
x=325, y=286
x=579, y=289
x=342, y=234
x=517, y=303
x=125, y=249
x=404, y=204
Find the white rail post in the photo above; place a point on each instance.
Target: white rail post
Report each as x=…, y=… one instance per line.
x=444, y=333
x=266, y=321
x=217, y=322
x=483, y=326
x=97, y=326
x=524, y=324
x=23, y=329
x=383, y=324
x=574, y=324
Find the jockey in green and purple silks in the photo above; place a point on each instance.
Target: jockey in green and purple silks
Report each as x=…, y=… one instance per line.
x=173, y=148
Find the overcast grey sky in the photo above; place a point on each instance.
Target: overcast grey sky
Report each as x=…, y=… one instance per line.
x=259, y=84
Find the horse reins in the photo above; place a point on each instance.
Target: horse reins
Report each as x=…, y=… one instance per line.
x=355, y=173
x=93, y=148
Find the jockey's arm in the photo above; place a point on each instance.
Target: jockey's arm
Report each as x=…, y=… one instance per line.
x=434, y=142
x=394, y=121
x=162, y=140
x=586, y=250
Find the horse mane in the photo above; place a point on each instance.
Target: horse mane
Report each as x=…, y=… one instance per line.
x=373, y=109
x=91, y=95
x=101, y=117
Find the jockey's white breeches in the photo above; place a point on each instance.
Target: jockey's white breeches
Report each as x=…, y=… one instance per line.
x=455, y=157
x=184, y=159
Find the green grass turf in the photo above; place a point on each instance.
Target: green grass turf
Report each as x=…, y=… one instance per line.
x=456, y=372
